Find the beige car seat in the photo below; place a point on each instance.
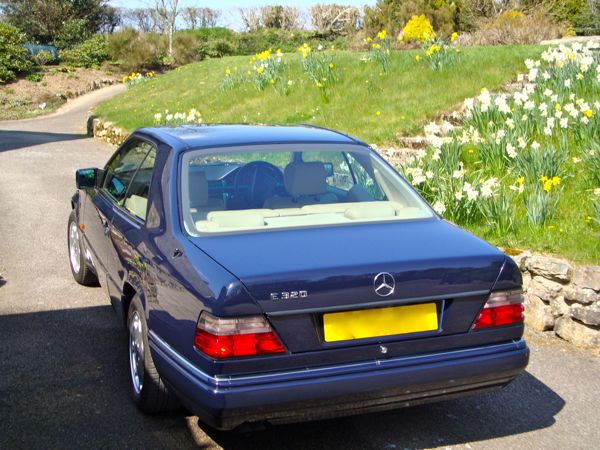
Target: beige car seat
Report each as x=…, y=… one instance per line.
x=306, y=184
x=200, y=203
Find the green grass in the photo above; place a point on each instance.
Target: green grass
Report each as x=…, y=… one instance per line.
x=407, y=96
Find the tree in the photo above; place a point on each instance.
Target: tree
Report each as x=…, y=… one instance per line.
x=251, y=18
x=282, y=17
x=200, y=17
x=42, y=20
x=167, y=12
x=142, y=19
x=333, y=18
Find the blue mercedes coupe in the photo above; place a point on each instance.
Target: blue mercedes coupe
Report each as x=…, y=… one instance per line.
x=281, y=274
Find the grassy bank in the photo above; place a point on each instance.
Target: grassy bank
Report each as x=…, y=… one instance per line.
x=409, y=94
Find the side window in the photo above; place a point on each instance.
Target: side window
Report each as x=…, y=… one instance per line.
x=136, y=200
x=122, y=168
x=341, y=177
x=363, y=178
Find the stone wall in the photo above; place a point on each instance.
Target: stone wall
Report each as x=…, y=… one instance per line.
x=562, y=297
x=105, y=131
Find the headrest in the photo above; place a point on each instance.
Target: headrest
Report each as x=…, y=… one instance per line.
x=198, y=185
x=305, y=178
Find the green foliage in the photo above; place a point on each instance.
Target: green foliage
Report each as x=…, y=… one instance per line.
x=13, y=57
x=134, y=50
x=209, y=34
x=185, y=49
x=581, y=15
x=44, y=20
x=592, y=160
x=215, y=48
x=72, y=33
x=90, y=53
x=36, y=77
x=42, y=58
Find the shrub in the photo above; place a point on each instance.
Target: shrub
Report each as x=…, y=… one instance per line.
x=42, y=58
x=133, y=50
x=583, y=16
x=215, y=48
x=36, y=77
x=13, y=57
x=515, y=27
x=185, y=49
x=89, y=53
x=418, y=28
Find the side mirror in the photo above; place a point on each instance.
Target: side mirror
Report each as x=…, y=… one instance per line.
x=328, y=169
x=86, y=178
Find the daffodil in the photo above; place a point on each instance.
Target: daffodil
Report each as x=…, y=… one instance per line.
x=382, y=34
x=453, y=36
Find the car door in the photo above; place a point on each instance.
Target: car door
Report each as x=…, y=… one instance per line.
x=127, y=220
x=99, y=203
x=118, y=176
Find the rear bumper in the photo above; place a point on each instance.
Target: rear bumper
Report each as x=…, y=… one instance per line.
x=300, y=395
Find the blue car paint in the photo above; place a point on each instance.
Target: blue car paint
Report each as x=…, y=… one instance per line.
x=179, y=276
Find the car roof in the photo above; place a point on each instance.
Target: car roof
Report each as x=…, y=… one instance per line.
x=202, y=136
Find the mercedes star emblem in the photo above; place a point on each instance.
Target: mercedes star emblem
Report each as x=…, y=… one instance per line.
x=384, y=284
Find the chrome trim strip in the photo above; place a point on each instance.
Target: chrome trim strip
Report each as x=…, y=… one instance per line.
x=212, y=382
x=394, y=302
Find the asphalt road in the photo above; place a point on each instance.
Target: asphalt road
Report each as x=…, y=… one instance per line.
x=63, y=358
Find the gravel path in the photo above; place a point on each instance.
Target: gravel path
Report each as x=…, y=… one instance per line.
x=63, y=358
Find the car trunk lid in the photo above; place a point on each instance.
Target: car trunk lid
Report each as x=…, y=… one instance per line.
x=297, y=276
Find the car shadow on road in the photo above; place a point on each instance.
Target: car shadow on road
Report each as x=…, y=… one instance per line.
x=14, y=140
x=525, y=405
x=64, y=384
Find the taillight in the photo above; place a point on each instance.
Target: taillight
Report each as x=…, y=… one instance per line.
x=228, y=338
x=502, y=308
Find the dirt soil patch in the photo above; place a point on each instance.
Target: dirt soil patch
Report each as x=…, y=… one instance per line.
x=24, y=98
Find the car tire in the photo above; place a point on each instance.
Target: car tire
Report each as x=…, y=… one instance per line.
x=147, y=388
x=80, y=267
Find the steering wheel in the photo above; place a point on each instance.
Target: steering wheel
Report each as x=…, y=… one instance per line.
x=255, y=182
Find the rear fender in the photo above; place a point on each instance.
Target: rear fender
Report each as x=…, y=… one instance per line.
x=509, y=277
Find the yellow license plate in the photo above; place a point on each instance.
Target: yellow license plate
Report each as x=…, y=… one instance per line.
x=368, y=323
